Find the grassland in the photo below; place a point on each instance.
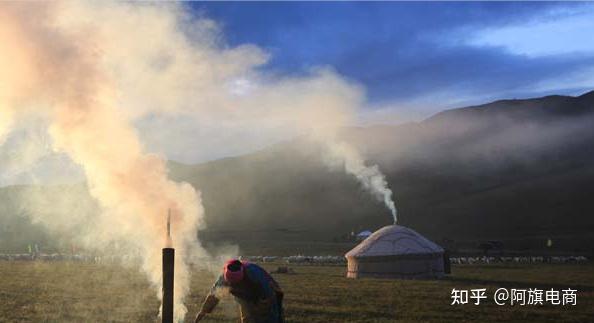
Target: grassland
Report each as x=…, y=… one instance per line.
x=75, y=292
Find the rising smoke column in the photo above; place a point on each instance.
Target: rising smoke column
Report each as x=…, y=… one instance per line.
x=370, y=177
x=91, y=71
x=56, y=74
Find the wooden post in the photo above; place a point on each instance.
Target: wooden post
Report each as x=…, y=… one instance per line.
x=168, y=268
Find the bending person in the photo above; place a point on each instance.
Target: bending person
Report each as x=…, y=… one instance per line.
x=258, y=294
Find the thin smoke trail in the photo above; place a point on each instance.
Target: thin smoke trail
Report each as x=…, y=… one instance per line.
x=370, y=177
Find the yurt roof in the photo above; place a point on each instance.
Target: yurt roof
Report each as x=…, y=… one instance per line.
x=394, y=240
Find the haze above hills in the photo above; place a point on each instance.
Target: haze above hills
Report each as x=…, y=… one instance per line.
x=510, y=168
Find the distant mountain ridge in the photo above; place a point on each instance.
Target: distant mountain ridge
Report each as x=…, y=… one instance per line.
x=552, y=105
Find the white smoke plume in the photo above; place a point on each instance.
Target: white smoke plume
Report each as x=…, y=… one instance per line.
x=93, y=71
x=58, y=75
x=370, y=177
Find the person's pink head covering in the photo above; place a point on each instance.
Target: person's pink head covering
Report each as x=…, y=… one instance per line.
x=233, y=271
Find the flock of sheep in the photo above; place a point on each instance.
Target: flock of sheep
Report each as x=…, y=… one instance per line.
x=519, y=260
x=63, y=257
x=46, y=257
x=298, y=259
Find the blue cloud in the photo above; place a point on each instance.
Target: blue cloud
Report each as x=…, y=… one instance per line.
x=405, y=51
x=561, y=31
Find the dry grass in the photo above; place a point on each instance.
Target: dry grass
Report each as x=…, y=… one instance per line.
x=73, y=292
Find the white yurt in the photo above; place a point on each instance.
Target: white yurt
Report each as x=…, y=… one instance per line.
x=395, y=251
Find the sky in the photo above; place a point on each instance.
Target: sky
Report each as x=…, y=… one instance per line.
x=411, y=60
x=415, y=59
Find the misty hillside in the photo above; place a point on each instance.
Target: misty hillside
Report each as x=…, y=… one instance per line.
x=511, y=168
x=504, y=170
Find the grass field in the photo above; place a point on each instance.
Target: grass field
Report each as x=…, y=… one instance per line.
x=75, y=292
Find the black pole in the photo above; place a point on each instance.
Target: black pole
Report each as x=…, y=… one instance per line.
x=447, y=265
x=168, y=266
